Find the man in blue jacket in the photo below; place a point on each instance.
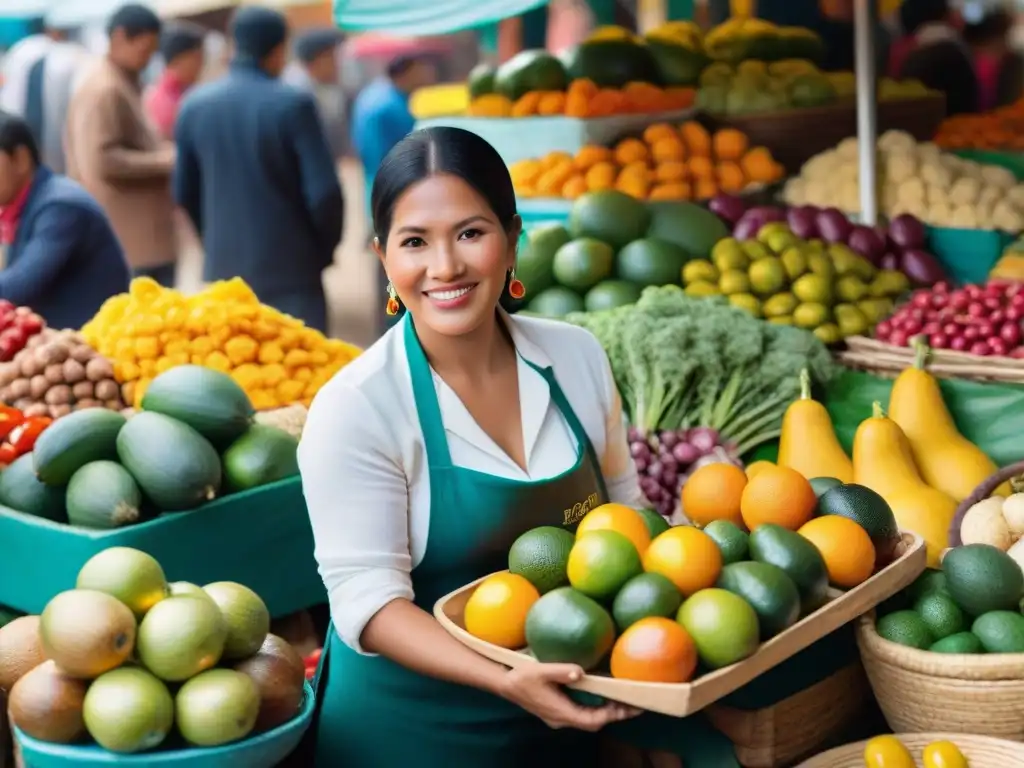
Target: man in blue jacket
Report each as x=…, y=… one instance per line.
x=255, y=174
x=61, y=257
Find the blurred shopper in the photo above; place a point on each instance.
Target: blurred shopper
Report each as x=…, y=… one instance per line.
x=61, y=258
x=116, y=154
x=999, y=69
x=256, y=176
x=16, y=64
x=315, y=71
x=940, y=59
x=181, y=47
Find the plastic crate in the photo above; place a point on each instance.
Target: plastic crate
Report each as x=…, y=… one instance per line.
x=968, y=255
x=260, y=538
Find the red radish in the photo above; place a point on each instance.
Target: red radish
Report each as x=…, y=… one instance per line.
x=959, y=343
x=899, y=338
x=980, y=348
x=1010, y=333
x=998, y=347
x=938, y=340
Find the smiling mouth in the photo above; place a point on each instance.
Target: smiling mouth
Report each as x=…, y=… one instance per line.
x=450, y=294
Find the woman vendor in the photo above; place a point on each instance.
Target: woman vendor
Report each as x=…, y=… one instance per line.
x=428, y=456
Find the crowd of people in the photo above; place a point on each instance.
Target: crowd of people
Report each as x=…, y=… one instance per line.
x=98, y=173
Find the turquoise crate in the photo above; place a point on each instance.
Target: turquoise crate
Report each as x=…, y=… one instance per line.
x=265, y=750
x=968, y=255
x=260, y=538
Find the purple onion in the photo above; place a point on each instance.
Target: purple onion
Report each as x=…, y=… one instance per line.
x=704, y=439
x=685, y=453
x=668, y=439
x=639, y=450
x=890, y=261
x=654, y=469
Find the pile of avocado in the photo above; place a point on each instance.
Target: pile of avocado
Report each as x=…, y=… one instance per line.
x=753, y=86
x=612, y=248
x=971, y=605
x=193, y=440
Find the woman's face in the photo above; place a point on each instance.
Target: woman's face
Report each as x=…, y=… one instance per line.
x=447, y=255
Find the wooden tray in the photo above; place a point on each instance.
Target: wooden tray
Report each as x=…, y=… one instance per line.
x=682, y=699
x=888, y=361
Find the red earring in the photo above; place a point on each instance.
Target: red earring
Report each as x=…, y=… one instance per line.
x=516, y=289
x=392, y=306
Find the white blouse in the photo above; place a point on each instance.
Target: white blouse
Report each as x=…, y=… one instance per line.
x=364, y=464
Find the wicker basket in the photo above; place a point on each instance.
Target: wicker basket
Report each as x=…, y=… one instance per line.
x=888, y=361
x=981, y=751
x=777, y=735
x=924, y=692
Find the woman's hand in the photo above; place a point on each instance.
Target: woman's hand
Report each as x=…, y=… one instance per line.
x=537, y=689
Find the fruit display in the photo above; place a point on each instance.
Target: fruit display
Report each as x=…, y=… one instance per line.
x=700, y=381
x=983, y=320
x=970, y=603
x=889, y=752
x=17, y=326
x=1000, y=129
x=824, y=287
x=742, y=38
x=193, y=440
x=273, y=357
x=584, y=99
x=757, y=86
x=939, y=188
x=687, y=162
x=611, y=248
x=57, y=373
x=632, y=597
x=125, y=658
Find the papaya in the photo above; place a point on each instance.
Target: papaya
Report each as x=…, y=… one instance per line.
x=946, y=459
x=808, y=442
x=884, y=462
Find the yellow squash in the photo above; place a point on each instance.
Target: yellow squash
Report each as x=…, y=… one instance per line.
x=947, y=460
x=808, y=442
x=943, y=754
x=883, y=461
x=887, y=752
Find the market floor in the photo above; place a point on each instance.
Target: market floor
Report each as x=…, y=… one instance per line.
x=351, y=283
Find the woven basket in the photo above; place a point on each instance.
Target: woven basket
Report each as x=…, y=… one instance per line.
x=981, y=751
x=1010, y=472
x=924, y=692
x=888, y=361
x=797, y=726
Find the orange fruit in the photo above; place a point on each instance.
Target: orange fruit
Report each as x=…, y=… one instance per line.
x=618, y=518
x=778, y=495
x=712, y=493
x=687, y=557
x=654, y=650
x=845, y=547
x=757, y=467
x=496, y=611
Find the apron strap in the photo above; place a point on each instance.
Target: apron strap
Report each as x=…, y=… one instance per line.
x=434, y=438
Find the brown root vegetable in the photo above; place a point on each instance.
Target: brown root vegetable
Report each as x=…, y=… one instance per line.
x=98, y=369
x=87, y=402
x=58, y=350
x=56, y=411
x=113, y=405
x=73, y=372
x=83, y=353
x=8, y=373
x=37, y=409
x=83, y=390
x=38, y=386
x=54, y=373
x=23, y=404
x=58, y=395
x=19, y=388
x=107, y=390
x=28, y=364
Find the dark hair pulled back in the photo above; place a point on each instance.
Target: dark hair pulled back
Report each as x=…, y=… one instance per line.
x=455, y=151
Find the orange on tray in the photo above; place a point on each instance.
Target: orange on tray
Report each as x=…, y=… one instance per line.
x=496, y=611
x=687, y=557
x=712, y=493
x=845, y=547
x=654, y=650
x=618, y=518
x=778, y=495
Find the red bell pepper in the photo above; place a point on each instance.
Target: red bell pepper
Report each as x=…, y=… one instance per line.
x=9, y=419
x=24, y=436
x=7, y=454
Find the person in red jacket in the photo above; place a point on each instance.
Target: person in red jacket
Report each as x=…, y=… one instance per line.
x=181, y=46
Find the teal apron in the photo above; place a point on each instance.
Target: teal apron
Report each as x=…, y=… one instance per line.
x=373, y=713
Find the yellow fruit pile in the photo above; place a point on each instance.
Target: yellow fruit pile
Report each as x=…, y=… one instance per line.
x=275, y=358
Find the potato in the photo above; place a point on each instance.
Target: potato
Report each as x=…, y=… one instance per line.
x=18, y=389
x=58, y=395
x=54, y=352
x=1013, y=513
x=74, y=371
x=984, y=524
x=83, y=353
x=40, y=338
x=98, y=369
x=57, y=411
x=8, y=373
x=107, y=390
x=83, y=390
x=28, y=364
x=23, y=403
x=87, y=402
x=54, y=373
x=39, y=385
x=114, y=405
x=37, y=409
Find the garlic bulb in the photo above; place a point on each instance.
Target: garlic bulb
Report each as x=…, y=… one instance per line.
x=1013, y=513
x=984, y=524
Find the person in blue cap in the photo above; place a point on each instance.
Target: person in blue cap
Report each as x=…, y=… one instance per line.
x=255, y=174
x=315, y=70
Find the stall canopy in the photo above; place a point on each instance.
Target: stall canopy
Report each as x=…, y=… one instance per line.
x=437, y=17
x=73, y=13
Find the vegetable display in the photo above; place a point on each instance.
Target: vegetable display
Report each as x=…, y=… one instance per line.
x=1000, y=129
x=57, y=373
x=17, y=326
x=681, y=364
x=939, y=188
x=667, y=163
x=272, y=356
x=124, y=659
x=756, y=86
x=583, y=99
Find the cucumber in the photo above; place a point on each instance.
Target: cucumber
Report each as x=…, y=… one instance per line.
x=174, y=465
x=21, y=490
x=207, y=400
x=73, y=441
x=260, y=456
x=102, y=494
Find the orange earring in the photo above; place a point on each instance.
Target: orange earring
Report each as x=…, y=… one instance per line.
x=392, y=306
x=516, y=289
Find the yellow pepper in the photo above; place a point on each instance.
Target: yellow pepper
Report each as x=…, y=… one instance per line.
x=887, y=752
x=943, y=754
x=147, y=348
x=218, y=361
x=271, y=353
